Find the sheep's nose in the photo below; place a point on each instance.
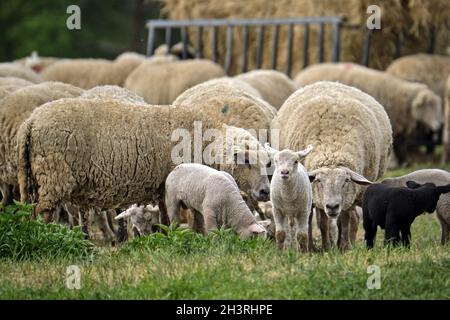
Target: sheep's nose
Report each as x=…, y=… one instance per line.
x=332, y=206
x=264, y=195
x=284, y=172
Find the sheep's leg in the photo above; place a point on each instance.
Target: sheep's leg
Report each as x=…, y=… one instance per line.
x=282, y=232
x=444, y=227
x=7, y=193
x=210, y=220
x=344, y=243
x=83, y=223
x=198, y=223
x=102, y=220
x=122, y=229
x=354, y=224
x=400, y=149
x=391, y=235
x=406, y=235
x=322, y=221
x=333, y=231
x=301, y=231
x=173, y=210
x=370, y=232
x=163, y=212
x=311, y=245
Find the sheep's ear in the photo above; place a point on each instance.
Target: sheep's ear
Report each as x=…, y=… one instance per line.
x=271, y=151
x=443, y=189
x=419, y=99
x=312, y=175
x=124, y=214
x=303, y=153
x=413, y=184
x=358, y=179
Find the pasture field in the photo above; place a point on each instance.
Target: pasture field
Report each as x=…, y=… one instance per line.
x=184, y=265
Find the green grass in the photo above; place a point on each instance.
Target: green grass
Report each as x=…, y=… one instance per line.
x=184, y=265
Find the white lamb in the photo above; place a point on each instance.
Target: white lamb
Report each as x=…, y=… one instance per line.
x=213, y=198
x=291, y=196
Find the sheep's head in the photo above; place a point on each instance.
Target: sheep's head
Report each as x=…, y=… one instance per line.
x=335, y=189
x=286, y=161
x=143, y=218
x=427, y=108
x=432, y=193
x=257, y=229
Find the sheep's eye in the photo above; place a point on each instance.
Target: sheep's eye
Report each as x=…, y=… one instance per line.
x=347, y=179
x=269, y=164
x=295, y=162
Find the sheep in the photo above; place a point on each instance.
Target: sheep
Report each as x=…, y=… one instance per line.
x=144, y=218
x=69, y=151
x=161, y=83
x=14, y=81
x=212, y=196
x=226, y=103
x=18, y=71
x=274, y=86
x=88, y=73
x=291, y=196
x=112, y=92
x=15, y=109
x=439, y=178
x=36, y=62
x=176, y=50
x=406, y=103
x=352, y=138
x=395, y=208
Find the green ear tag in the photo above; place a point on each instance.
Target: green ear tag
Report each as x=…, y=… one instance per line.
x=225, y=109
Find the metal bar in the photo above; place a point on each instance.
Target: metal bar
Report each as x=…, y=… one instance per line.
x=336, y=42
x=184, y=40
x=289, y=50
x=306, y=46
x=321, y=35
x=168, y=38
x=259, y=46
x=275, y=36
x=245, y=36
x=214, y=44
x=366, y=48
x=432, y=40
x=151, y=41
x=229, y=49
x=199, y=46
x=242, y=22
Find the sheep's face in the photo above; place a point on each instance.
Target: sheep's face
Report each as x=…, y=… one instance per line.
x=143, y=218
x=286, y=163
x=250, y=173
x=335, y=189
x=254, y=230
x=427, y=108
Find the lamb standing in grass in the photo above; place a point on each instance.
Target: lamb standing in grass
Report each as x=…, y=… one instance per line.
x=395, y=208
x=143, y=218
x=213, y=197
x=291, y=196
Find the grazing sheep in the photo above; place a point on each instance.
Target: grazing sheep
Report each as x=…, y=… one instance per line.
x=405, y=102
x=143, y=218
x=437, y=177
x=14, y=81
x=395, y=208
x=213, y=197
x=273, y=86
x=352, y=138
x=291, y=196
x=15, y=109
x=107, y=153
x=88, y=73
x=226, y=103
x=161, y=83
x=18, y=71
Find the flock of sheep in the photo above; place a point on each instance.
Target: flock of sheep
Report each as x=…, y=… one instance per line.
x=97, y=138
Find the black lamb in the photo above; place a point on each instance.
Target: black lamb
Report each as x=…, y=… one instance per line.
x=395, y=208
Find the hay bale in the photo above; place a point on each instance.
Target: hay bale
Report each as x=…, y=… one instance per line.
x=412, y=18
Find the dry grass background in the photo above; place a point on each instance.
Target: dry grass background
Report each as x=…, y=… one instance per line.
x=413, y=19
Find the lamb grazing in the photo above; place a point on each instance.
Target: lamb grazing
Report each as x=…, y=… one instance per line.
x=291, y=196
x=437, y=177
x=214, y=199
x=144, y=218
x=352, y=138
x=69, y=151
x=161, y=83
x=395, y=208
x=405, y=102
x=88, y=73
x=15, y=109
x=18, y=71
x=274, y=86
x=227, y=104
